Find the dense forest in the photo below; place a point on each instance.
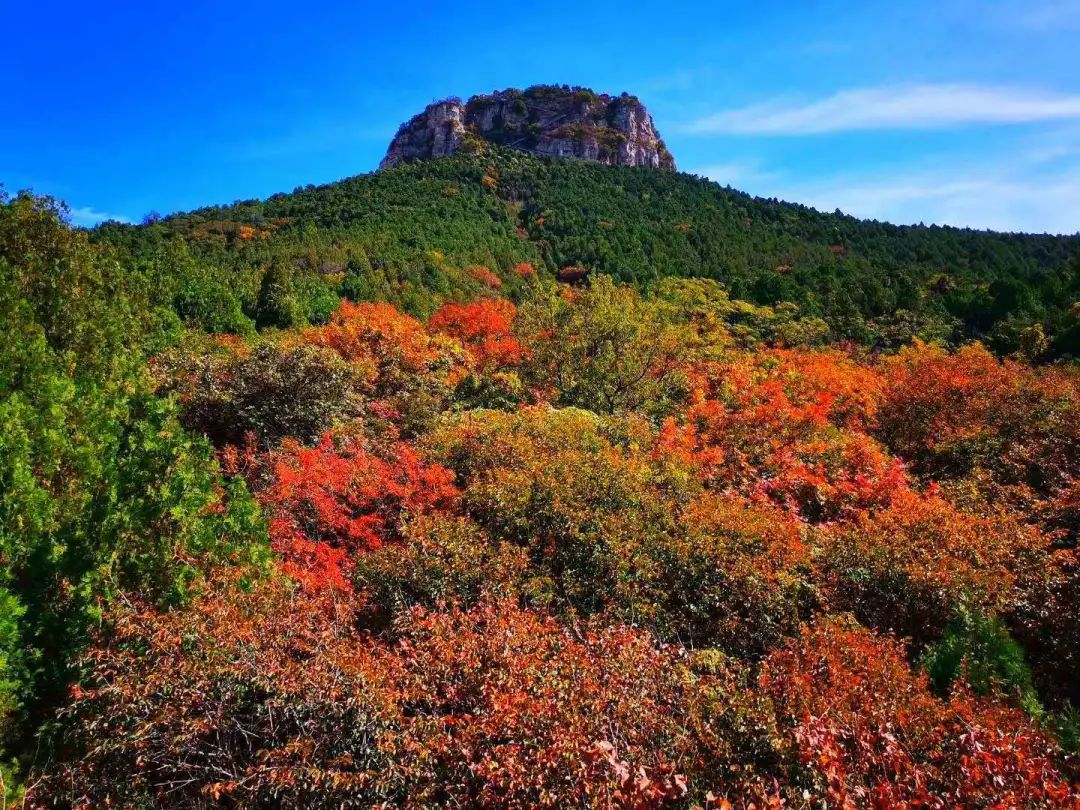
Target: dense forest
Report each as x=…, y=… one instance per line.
x=410, y=234
x=500, y=482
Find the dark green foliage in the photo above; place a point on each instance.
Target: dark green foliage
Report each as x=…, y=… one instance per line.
x=641, y=225
x=1067, y=726
x=11, y=664
x=101, y=489
x=201, y=293
x=404, y=235
x=979, y=650
x=278, y=304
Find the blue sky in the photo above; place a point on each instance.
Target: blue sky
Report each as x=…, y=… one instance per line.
x=962, y=112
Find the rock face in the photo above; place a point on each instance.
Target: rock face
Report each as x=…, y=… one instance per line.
x=546, y=120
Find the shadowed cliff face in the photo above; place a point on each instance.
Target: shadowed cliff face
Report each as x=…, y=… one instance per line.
x=544, y=120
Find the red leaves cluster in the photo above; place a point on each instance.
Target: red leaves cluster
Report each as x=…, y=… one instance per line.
x=906, y=566
x=339, y=498
x=484, y=276
x=636, y=788
x=484, y=327
x=266, y=696
x=871, y=733
x=523, y=712
x=948, y=414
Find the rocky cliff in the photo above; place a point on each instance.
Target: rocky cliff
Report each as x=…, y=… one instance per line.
x=545, y=120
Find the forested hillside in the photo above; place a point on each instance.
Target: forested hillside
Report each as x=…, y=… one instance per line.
x=495, y=482
x=410, y=235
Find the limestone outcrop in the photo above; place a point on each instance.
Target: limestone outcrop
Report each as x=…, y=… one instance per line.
x=555, y=121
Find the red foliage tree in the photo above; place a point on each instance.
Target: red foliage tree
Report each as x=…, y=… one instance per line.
x=339, y=498
x=409, y=373
x=951, y=414
x=256, y=697
x=484, y=275
x=870, y=733
x=484, y=327
x=788, y=426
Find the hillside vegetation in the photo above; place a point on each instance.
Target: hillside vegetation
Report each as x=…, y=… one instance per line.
x=343, y=499
x=410, y=234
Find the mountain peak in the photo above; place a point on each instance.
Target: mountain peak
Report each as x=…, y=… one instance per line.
x=550, y=120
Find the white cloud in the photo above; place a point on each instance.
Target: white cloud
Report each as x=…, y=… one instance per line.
x=996, y=203
x=1020, y=197
x=1045, y=16
x=738, y=174
x=918, y=106
x=87, y=217
x=1022, y=17
x=1033, y=186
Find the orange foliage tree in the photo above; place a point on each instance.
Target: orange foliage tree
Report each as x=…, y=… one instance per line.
x=787, y=426
x=910, y=566
x=377, y=336
x=408, y=370
x=951, y=414
x=484, y=276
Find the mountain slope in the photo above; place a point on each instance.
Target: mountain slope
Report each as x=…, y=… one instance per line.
x=410, y=233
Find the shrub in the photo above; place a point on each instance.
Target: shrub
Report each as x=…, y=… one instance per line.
x=409, y=372
x=948, y=415
x=551, y=482
x=101, y=488
x=485, y=328
x=602, y=348
x=269, y=390
x=910, y=567
x=787, y=426
x=484, y=277
x=978, y=651
x=441, y=560
x=270, y=696
x=727, y=574
x=327, y=503
x=1046, y=621
x=868, y=730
